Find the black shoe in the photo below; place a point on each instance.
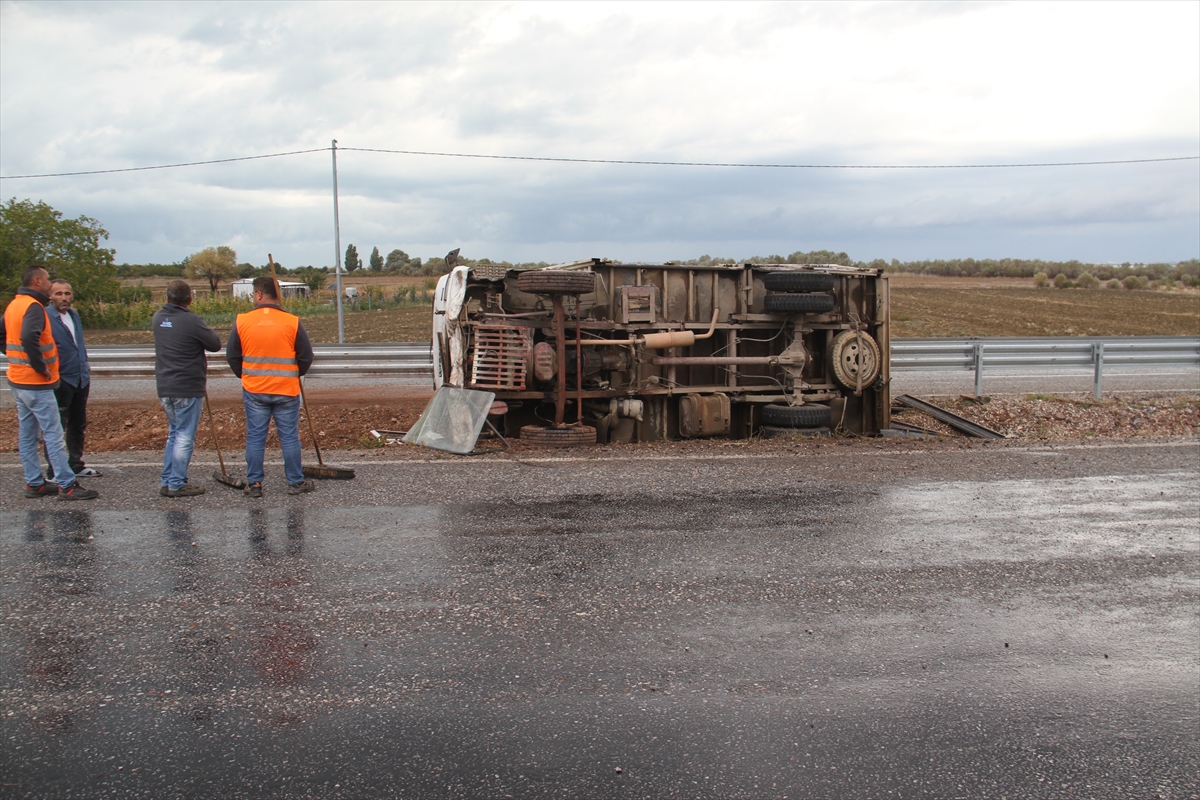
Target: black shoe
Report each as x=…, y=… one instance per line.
x=44, y=489
x=162, y=490
x=187, y=490
x=87, y=472
x=253, y=489
x=301, y=487
x=76, y=492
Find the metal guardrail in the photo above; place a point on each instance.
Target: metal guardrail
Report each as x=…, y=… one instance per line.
x=404, y=358
x=1095, y=352
x=980, y=354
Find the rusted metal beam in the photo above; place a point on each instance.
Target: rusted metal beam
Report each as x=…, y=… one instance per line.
x=950, y=418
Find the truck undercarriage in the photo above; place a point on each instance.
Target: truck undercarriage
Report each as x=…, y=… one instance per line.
x=597, y=351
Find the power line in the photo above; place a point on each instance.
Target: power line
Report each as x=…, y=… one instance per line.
x=770, y=166
x=162, y=166
x=629, y=162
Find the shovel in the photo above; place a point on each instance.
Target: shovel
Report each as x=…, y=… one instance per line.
x=222, y=476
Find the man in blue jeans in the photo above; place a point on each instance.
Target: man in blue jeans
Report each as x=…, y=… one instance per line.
x=33, y=376
x=181, y=375
x=269, y=350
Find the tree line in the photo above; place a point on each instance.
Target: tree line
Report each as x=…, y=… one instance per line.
x=34, y=232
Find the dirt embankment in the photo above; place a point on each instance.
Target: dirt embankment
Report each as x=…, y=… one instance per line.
x=347, y=424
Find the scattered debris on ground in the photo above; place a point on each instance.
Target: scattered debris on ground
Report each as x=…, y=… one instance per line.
x=344, y=426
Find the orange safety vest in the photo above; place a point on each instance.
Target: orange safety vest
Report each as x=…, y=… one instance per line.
x=19, y=371
x=268, y=337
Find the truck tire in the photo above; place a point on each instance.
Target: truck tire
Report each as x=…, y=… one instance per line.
x=575, y=436
x=809, y=415
x=774, y=432
x=549, y=281
x=855, y=362
x=797, y=281
x=798, y=303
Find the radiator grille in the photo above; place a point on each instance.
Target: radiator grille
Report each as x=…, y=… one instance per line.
x=501, y=352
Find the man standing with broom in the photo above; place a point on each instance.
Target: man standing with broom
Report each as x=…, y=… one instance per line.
x=181, y=376
x=269, y=350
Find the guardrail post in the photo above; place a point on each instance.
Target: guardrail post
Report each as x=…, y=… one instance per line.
x=1098, y=360
x=979, y=369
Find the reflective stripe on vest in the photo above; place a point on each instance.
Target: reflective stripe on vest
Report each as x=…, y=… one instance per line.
x=268, y=337
x=19, y=371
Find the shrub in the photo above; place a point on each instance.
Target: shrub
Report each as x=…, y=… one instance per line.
x=1113, y=284
x=1087, y=281
x=1134, y=282
x=1061, y=281
x=1041, y=280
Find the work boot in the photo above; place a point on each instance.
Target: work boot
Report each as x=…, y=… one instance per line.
x=187, y=490
x=76, y=492
x=301, y=487
x=162, y=490
x=253, y=489
x=44, y=489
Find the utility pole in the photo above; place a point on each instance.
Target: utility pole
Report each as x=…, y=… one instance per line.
x=337, y=247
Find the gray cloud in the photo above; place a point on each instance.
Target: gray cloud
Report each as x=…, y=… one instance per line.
x=87, y=86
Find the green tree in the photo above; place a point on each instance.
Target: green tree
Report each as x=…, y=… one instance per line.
x=35, y=233
x=376, y=260
x=313, y=277
x=396, y=261
x=352, y=261
x=213, y=264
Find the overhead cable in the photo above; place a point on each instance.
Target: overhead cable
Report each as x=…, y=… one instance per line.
x=769, y=166
x=552, y=159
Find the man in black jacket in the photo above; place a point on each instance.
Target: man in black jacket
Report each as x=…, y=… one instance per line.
x=74, y=375
x=181, y=375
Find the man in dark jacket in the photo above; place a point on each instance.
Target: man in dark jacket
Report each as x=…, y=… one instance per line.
x=33, y=377
x=181, y=375
x=74, y=375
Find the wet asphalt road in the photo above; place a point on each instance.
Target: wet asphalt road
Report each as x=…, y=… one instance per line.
x=813, y=621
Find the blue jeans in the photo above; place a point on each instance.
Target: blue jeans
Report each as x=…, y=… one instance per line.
x=183, y=418
x=36, y=422
x=286, y=411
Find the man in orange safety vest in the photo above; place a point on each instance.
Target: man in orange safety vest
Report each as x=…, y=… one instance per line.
x=269, y=350
x=33, y=377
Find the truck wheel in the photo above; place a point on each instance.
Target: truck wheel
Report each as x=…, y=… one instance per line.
x=809, y=415
x=797, y=281
x=575, y=436
x=549, y=281
x=798, y=303
x=855, y=364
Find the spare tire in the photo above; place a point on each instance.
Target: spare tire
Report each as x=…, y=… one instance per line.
x=552, y=281
x=575, y=436
x=797, y=281
x=798, y=303
x=809, y=415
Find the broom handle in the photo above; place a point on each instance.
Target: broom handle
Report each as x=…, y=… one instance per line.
x=311, y=432
x=213, y=425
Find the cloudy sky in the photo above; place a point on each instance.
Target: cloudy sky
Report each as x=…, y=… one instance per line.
x=103, y=86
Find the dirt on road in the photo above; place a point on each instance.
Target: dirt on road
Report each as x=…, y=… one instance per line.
x=346, y=424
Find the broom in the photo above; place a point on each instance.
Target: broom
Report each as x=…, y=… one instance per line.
x=222, y=476
x=322, y=470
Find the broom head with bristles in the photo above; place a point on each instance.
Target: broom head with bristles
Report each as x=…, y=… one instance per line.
x=229, y=480
x=327, y=471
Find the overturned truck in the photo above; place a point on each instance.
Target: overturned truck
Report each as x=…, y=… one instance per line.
x=598, y=351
